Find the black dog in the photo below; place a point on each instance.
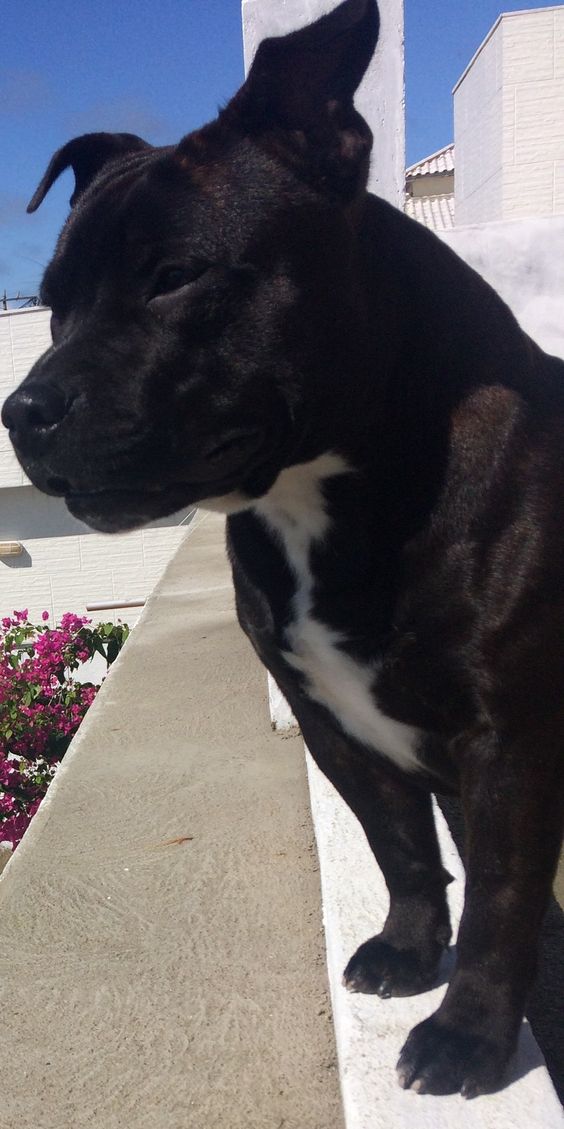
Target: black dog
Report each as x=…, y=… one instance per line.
x=236, y=322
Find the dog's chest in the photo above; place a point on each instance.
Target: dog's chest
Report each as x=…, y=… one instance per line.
x=295, y=511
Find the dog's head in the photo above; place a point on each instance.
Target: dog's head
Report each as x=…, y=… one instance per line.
x=202, y=294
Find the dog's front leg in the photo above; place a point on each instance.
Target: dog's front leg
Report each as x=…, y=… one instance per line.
x=397, y=817
x=513, y=816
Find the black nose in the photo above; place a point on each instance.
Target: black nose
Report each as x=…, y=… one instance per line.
x=33, y=410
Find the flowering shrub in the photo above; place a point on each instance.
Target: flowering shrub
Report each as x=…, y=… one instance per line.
x=42, y=704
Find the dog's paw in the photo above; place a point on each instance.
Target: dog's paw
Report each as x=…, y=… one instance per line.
x=378, y=968
x=439, y=1059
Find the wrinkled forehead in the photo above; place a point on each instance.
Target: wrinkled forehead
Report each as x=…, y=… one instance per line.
x=194, y=199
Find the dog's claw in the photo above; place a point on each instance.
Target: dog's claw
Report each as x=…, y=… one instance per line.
x=384, y=990
x=470, y=1089
x=404, y=1078
x=379, y=969
x=437, y=1059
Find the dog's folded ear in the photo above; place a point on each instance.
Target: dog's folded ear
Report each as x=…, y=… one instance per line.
x=299, y=94
x=86, y=155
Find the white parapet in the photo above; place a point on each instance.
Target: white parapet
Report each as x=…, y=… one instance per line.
x=370, y=1032
x=524, y=261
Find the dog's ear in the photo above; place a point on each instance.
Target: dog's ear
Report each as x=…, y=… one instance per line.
x=86, y=155
x=299, y=94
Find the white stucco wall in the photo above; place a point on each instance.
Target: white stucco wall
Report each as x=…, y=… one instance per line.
x=24, y=335
x=380, y=98
x=509, y=121
x=524, y=261
x=64, y=566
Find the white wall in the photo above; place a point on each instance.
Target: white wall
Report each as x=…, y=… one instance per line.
x=381, y=96
x=24, y=335
x=509, y=121
x=478, y=128
x=64, y=566
x=64, y=571
x=523, y=261
x=533, y=64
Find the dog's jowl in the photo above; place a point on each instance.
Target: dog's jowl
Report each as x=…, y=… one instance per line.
x=237, y=323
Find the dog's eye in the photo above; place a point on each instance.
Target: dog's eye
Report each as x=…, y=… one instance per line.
x=174, y=278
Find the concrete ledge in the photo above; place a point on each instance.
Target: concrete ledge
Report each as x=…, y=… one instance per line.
x=162, y=957
x=371, y=1032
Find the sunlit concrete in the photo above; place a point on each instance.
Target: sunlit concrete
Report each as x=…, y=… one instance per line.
x=161, y=947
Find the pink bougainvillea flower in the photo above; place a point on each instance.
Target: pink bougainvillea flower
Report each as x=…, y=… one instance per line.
x=42, y=704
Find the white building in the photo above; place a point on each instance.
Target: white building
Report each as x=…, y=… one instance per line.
x=62, y=565
x=509, y=121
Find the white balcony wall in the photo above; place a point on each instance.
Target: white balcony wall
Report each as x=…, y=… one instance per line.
x=518, y=259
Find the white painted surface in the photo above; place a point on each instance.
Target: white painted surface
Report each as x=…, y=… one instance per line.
x=524, y=261
x=380, y=98
x=370, y=1032
x=509, y=121
x=281, y=716
x=24, y=336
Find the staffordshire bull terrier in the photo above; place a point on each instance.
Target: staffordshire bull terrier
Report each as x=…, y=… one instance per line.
x=237, y=323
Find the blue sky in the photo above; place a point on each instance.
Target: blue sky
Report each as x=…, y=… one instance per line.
x=160, y=68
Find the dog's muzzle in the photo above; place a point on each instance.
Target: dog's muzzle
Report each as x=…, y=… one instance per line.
x=39, y=418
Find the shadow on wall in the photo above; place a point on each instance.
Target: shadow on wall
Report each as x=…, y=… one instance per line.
x=27, y=513
x=23, y=560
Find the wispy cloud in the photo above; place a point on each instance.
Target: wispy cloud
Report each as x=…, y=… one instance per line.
x=124, y=115
x=23, y=92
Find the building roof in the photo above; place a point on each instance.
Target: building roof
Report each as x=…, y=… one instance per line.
x=436, y=212
x=437, y=164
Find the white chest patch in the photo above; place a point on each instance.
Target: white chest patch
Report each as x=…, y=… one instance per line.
x=294, y=509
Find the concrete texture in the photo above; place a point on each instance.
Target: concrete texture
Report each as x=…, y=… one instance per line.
x=161, y=951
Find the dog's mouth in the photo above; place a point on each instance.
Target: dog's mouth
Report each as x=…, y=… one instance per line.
x=114, y=509
x=241, y=457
